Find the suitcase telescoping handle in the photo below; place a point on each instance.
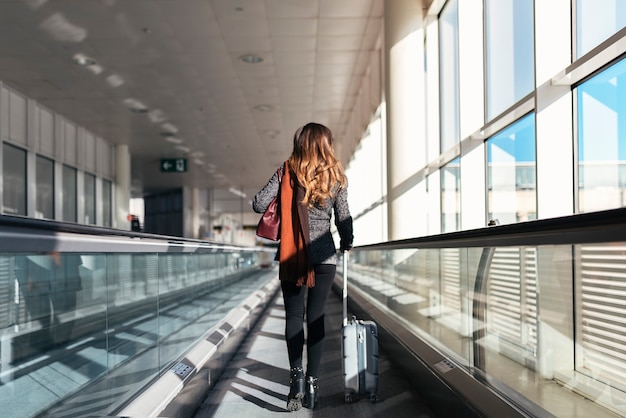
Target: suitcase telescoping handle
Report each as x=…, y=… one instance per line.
x=345, y=287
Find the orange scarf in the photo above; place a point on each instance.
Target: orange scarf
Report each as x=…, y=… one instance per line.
x=295, y=263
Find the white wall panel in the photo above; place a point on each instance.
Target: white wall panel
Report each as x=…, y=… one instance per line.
x=104, y=162
x=32, y=124
x=432, y=89
x=4, y=112
x=46, y=132
x=553, y=41
x=555, y=154
x=17, y=118
x=471, y=66
x=71, y=144
x=59, y=132
x=473, y=203
x=90, y=151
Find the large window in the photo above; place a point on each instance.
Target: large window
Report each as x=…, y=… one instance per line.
x=90, y=198
x=45, y=188
x=597, y=20
x=509, y=52
x=449, y=74
x=69, y=194
x=511, y=173
x=14, y=180
x=451, y=196
x=602, y=140
x=107, y=199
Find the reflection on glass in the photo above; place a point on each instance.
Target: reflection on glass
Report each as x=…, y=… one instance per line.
x=510, y=324
x=597, y=20
x=90, y=198
x=45, y=188
x=602, y=140
x=511, y=178
x=601, y=308
x=69, y=194
x=107, y=201
x=84, y=318
x=449, y=74
x=509, y=52
x=451, y=196
x=14, y=180
x=494, y=321
x=48, y=285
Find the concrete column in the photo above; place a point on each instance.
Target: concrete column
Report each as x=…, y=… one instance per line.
x=121, y=204
x=406, y=123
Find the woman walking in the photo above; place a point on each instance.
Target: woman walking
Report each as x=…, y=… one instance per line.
x=313, y=188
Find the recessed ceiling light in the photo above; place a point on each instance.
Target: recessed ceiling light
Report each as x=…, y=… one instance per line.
x=169, y=127
x=250, y=59
x=174, y=140
x=157, y=116
x=264, y=107
x=115, y=80
x=84, y=61
x=135, y=105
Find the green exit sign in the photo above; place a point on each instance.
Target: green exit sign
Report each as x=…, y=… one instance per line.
x=173, y=165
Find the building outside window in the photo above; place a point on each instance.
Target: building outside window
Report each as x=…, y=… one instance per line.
x=509, y=52
x=449, y=75
x=511, y=180
x=45, y=188
x=13, y=180
x=602, y=140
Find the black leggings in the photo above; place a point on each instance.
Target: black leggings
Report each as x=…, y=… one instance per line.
x=294, y=299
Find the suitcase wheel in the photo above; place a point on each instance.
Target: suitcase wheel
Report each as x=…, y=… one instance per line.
x=349, y=398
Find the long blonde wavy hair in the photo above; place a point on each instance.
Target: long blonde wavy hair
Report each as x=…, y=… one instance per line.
x=314, y=164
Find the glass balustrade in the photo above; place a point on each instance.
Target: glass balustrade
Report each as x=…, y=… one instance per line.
x=109, y=322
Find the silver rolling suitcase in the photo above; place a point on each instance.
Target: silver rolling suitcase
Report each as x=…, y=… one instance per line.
x=359, y=348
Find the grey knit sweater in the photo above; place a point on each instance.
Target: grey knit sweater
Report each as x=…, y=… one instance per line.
x=323, y=249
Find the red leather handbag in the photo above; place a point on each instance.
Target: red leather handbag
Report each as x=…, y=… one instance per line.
x=269, y=224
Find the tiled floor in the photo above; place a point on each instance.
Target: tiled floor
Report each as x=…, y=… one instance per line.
x=255, y=384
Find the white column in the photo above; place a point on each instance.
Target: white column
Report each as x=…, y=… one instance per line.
x=406, y=123
x=555, y=147
x=471, y=85
x=121, y=204
x=555, y=185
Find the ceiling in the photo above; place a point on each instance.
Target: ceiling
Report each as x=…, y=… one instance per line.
x=177, y=62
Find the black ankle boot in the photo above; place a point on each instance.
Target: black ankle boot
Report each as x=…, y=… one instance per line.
x=296, y=389
x=310, y=397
